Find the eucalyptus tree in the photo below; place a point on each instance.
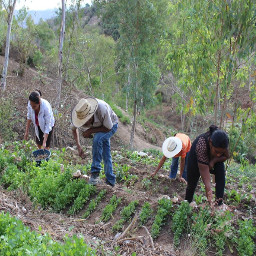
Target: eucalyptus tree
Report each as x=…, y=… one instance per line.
x=211, y=45
x=91, y=64
x=24, y=37
x=3, y=27
x=9, y=7
x=140, y=26
x=60, y=53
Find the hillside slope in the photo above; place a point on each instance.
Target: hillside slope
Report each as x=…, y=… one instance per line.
x=19, y=87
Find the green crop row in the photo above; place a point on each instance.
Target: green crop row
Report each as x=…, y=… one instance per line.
x=126, y=215
x=163, y=211
x=93, y=204
x=110, y=208
x=17, y=240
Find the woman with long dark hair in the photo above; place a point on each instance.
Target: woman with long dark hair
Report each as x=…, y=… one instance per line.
x=41, y=115
x=207, y=156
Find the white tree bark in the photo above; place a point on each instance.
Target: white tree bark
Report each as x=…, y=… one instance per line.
x=10, y=11
x=61, y=42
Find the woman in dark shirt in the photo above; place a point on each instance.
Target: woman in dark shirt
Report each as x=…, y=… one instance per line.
x=207, y=155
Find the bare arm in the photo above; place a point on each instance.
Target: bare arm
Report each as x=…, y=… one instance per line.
x=27, y=129
x=206, y=177
x=159, y=166
x=45, y=139
x=182, y=166
x=222, y=158
x=90, y=131
x=77, y=140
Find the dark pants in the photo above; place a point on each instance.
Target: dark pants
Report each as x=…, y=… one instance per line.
x=193, y=177
x=175, y=166
x=41, y=136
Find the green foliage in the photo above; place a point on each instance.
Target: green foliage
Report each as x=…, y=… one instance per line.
x=180, y=221
x=126, y=215
x=16, y=239
x=200, y=230
x=246, y=234
x=110, y=208
x=123, y=175
x=123, y=118
x=7, y=122
x=83, y=196
x=146, y=183
x=93, y=204
x=65, y=196
x=164, y=208
x=12, y=177
x=239, y=147
x=221, y=230
x=145, y=213
x=204, y=55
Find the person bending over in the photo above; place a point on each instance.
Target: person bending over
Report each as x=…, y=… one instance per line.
x=207, y=156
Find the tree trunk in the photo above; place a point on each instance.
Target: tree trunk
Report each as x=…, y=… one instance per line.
x=217, y=89
x=7, y=47
x=61, y=42
x=133, y=124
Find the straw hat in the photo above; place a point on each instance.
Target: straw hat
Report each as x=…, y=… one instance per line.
x=83, y=111
x=172, y=146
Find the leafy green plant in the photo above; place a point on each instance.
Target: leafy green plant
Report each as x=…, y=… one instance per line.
x=123, y=175
x=83, y=197
x=221, y=230
x=126, y=215
x=244, y=240
x=145, y=213
x=110, y=208
x=93, y=204
x=200, y=231
x=180, y=221
x=66, y=196
x=164, y=208
x=17, y=239
x=146, y=183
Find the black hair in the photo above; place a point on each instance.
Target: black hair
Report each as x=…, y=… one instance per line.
x=35, y=96
x=218, y=137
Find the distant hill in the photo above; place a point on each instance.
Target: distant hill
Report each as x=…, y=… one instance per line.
x=38, y=14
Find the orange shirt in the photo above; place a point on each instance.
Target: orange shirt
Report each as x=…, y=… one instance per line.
x=186, y=144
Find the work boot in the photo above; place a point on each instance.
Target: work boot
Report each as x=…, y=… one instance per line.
x=94, y=179
x=110, y=184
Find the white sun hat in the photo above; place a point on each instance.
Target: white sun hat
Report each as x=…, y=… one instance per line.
x=83, y=111
x=171, y=146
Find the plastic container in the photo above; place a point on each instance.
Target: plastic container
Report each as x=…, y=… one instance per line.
x=41, y=152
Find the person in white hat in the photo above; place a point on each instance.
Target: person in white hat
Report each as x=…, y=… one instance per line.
x=175, y=147
x=94, y=116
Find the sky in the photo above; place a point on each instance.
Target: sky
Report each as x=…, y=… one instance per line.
x=43, y=4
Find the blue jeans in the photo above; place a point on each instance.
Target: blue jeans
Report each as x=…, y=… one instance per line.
x=101, y=150
x=175, y=166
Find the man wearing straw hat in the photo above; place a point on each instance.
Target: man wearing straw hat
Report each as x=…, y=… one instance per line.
x=176, y=147
x=94, y=116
